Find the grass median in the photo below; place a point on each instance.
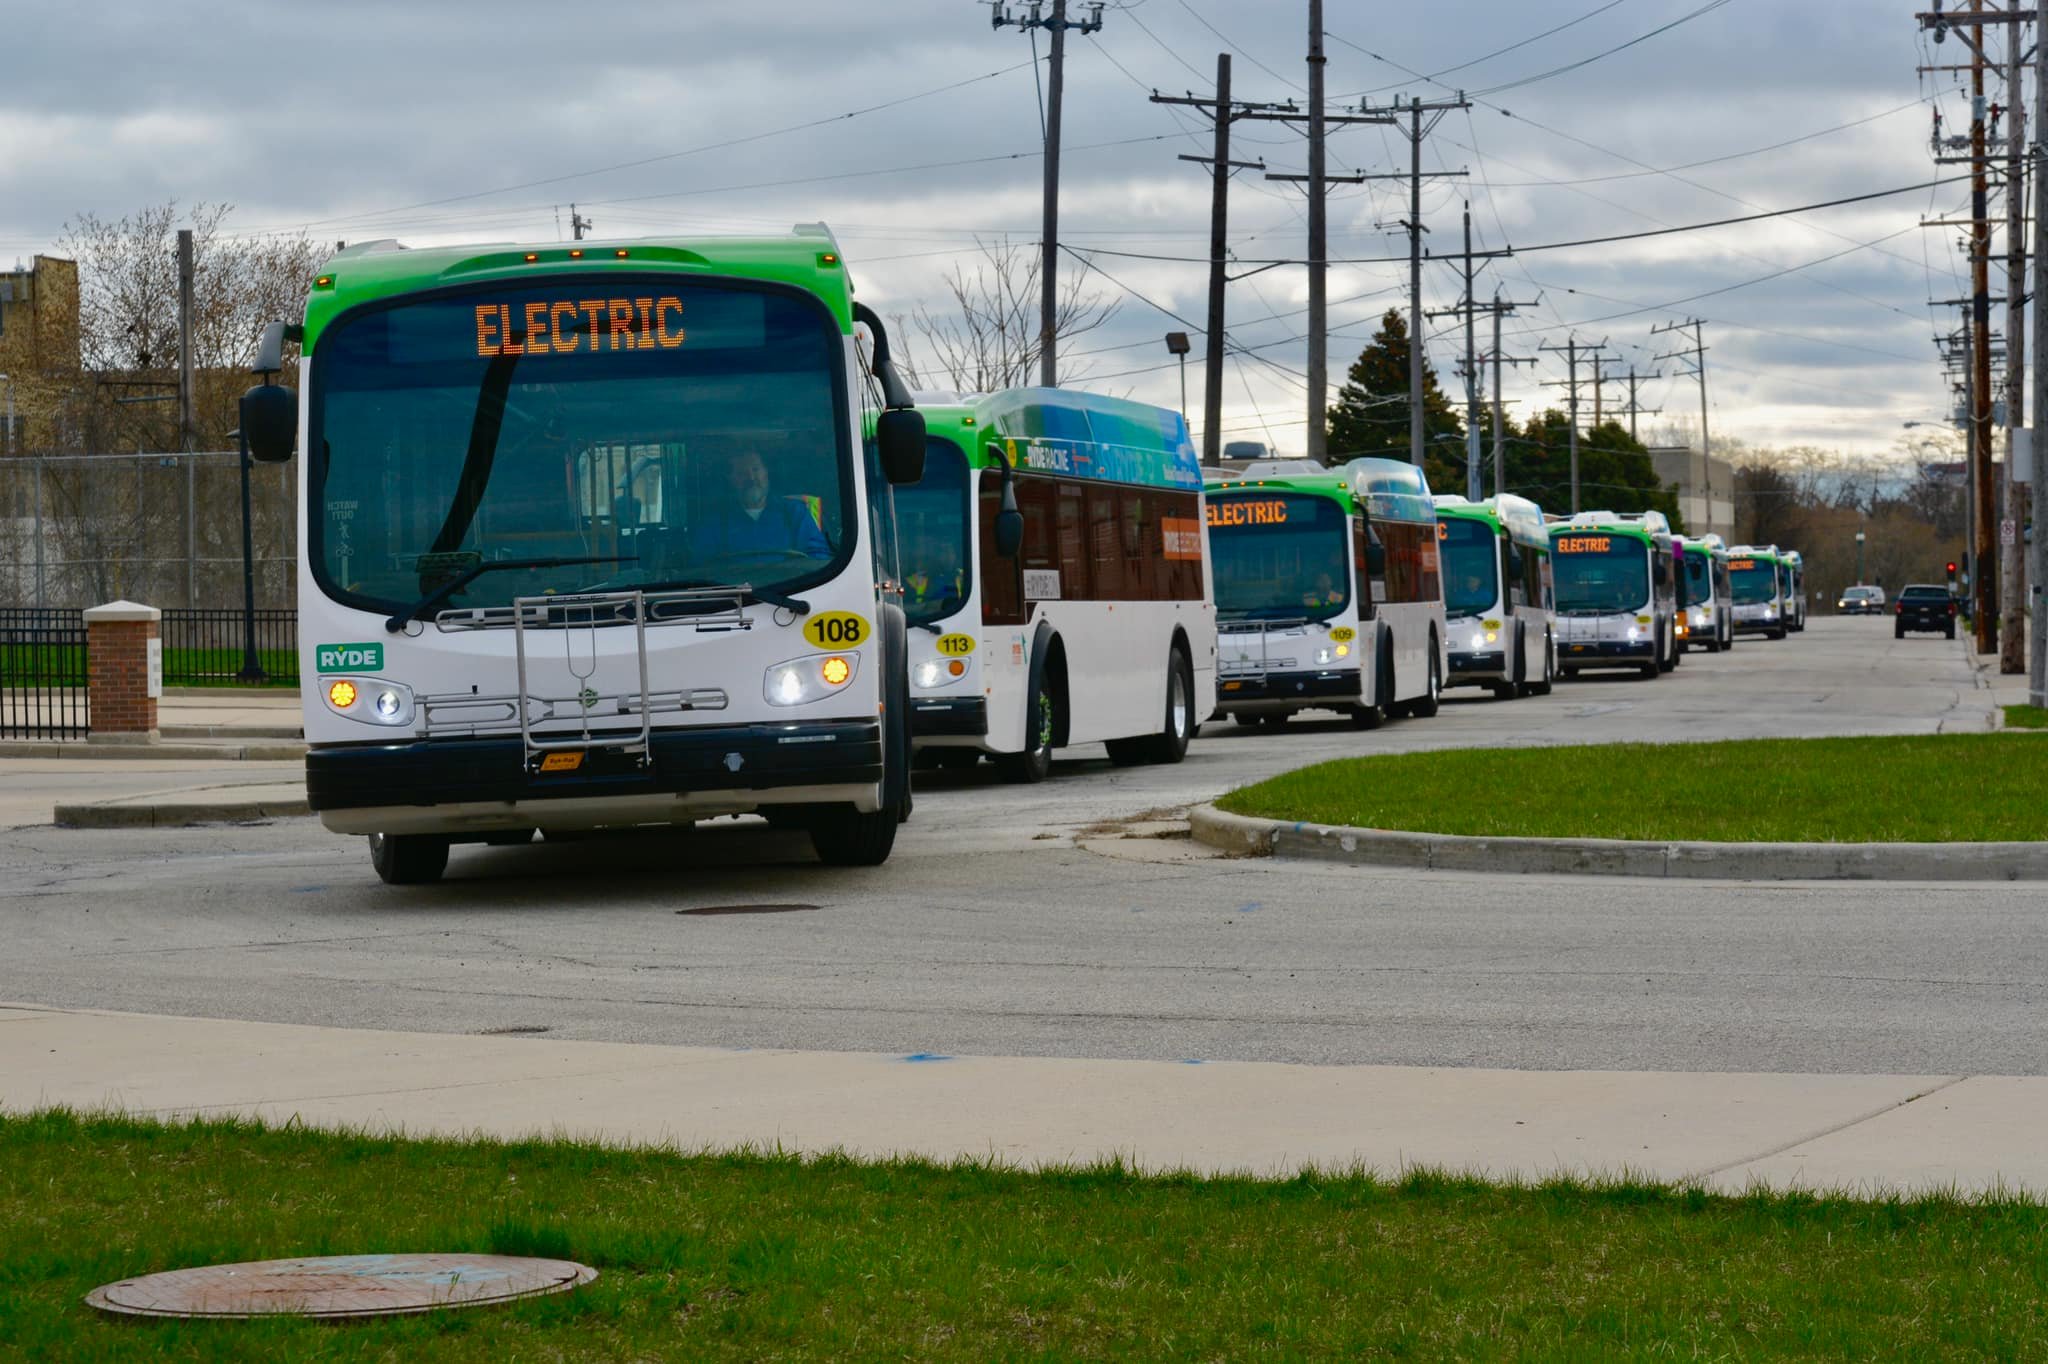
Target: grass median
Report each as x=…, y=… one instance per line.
x=717, y=1257
x=1950, y=788
x=2026, y=717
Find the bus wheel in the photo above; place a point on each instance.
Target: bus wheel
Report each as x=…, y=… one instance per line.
x=1543, y=688
x=1368, y=717
x=1170, y=744
x=1041, y=722
x=845, y=837
x=1667, y=653
x=1427, y=704
x=1504, y=691
x=1245, y=718
x=956, y=759
x=408, y=859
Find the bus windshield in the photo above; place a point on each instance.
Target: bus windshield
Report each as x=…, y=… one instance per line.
x=1596, y=572
x=1699, y=580
x=931, y=527
x=677, y=433
x=1471, y=566
x=1279, y=556
x=1755, y=582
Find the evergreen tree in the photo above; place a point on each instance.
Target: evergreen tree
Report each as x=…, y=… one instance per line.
x=1370, y=416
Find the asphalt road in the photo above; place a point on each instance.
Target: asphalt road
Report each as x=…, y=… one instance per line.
x=1017, y=921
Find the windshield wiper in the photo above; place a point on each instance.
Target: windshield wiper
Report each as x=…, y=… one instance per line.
x=475, y=571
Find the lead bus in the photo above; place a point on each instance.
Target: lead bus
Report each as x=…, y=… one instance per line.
x=1617, y=602
x=589, y=537
x=1793, y=608
x=1055, y=582
x=1705, y=615
x=1756, y=575
x=1497, y=592
x=1329, y=594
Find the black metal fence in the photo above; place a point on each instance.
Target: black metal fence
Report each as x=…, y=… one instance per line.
x=42, y=673
x=208, y=648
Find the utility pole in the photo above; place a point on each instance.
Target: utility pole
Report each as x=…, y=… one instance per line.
x=1417, y=130
x=1468, y=308
x=2037, y=578
x=1500, y=444
x=1221, y=112
x=185, y=271
x=1057, y=25
x=2012, y=577
x=1634, y=409
x=1573, y=351
x=578, y=224
x=1696, y=354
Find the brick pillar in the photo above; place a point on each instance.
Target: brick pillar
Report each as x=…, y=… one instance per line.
x=124, y=672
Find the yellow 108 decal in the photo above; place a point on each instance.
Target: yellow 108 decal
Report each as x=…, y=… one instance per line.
x=956, y=646
x=1343, y=634
x=836, y=629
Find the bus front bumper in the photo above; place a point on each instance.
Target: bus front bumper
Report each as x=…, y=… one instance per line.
x=1278, y=691
x=1593, y=653
x=434, y=784
x=948, y=717
x=1472, y=667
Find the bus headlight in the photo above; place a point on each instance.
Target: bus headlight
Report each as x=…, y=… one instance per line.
x=1331, y=653
x=803, y=680
x=939, y=672
x=371, y=700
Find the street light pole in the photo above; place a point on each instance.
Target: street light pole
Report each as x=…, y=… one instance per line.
x=8, y=379
x=1859, y=558
x=252, y=665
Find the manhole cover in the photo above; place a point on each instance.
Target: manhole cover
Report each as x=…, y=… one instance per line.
x=747, y=909
x=339, y=1286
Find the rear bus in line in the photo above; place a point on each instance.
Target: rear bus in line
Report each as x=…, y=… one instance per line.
x=1054, y=582
x=1328, y=591
x=1793, y=608
x=1705, y=617
x=1756, y=576
x=1616, y=592
x=1497, y=589
x=589, y=538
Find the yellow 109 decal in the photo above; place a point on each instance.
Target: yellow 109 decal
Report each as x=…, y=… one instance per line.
x=1343, y=634
x=956, y=646
x=836, y=629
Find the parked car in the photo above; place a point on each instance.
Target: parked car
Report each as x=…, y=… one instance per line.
x=1860, y=601
x=1924, y=606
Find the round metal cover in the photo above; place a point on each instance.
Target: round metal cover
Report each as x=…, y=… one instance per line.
x=339, y=1286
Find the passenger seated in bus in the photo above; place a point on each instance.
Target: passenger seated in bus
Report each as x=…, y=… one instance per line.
x=1327, y=590
x=938, y=576
x=755, y=521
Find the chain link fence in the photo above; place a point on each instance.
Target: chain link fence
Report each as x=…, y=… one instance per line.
x=162, y=529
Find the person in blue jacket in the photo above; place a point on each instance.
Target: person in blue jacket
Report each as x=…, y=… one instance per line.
x=755, y=521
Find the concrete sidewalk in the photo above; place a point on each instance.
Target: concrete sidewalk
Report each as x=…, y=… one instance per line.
x=169, y=789
x=1868, y=1133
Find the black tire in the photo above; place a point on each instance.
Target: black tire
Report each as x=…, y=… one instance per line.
x=1518, y=676
x=1898, y=632
x=1667, y=651
x=1430, y=702
x=786, y=816
x=1367, y=717
x=409, y=859
x=957, y=759
x=1950, y=632
x=1276, y=719
x=1504, y=691
x=1774, y=634
x=845, y=837
x=1170, y=744
x=1245, y=718
x=1041, y=723
x=1549, y=670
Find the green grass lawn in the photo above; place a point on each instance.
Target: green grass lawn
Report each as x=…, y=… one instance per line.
x=2026, y=717
x=748, y=1257
x=1915, y=789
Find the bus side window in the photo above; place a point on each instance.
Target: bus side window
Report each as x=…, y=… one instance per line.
x=1370, y=589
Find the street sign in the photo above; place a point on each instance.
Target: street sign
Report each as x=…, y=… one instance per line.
x=2008, y=532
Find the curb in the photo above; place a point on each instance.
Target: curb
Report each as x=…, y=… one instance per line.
x=1247, y=837
x=175, y=814
x=276, y=751
x=290, y=732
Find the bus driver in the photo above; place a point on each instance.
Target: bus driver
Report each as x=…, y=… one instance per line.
x=754, y=521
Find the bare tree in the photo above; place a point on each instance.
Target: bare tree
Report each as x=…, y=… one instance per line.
x=987, y=337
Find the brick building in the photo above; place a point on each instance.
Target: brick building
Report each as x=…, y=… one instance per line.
x=39, y=350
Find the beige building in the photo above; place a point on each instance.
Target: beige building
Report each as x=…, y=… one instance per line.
x=1694, y=478
x=38, y=350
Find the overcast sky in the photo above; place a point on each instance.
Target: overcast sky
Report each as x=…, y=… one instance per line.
x=437, y=122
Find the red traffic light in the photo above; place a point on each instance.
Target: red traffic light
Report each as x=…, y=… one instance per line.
x=1951, y=568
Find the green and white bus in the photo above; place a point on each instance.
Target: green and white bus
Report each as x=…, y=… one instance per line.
x=1793, y=608
x=1756, y=575
x=1497, y=594
x=589, y=536
x=1329, y=594
x=1705, y=620
x=1055, y=583
x=1616, y=591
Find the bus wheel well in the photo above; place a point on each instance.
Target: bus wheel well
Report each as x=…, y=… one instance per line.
x=1056, y=687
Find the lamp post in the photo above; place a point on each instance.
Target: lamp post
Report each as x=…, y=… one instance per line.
x=252, y=665
x=8, y=379
x=1859, y=558
x=1177, y=344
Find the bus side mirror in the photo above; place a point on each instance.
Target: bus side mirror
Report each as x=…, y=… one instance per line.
x=1009, y=523
x=1375, y=559
x=899, y=438
x=270, y=422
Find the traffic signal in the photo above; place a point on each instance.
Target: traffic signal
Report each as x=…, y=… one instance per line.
x=1951, y=568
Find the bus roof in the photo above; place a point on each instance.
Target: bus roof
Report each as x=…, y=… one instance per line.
x=807, y=258
x=1071, y=433
x=1387, y=489
x=1648, y=526
x=1518, y=516
x=1709, y=544
x=1768, y=552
